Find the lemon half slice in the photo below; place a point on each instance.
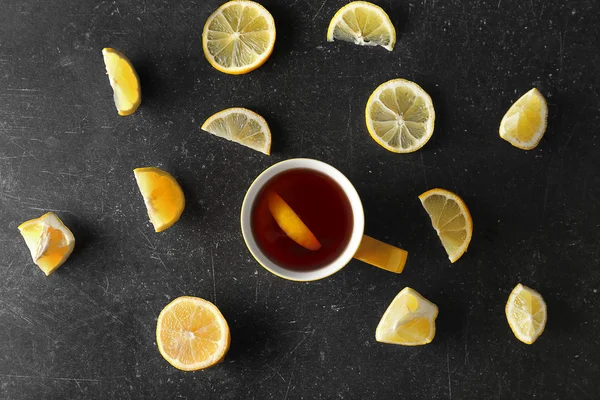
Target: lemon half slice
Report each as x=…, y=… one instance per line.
x=192, y=334
x=362, y=23
x=408, y=321
x=49, y=241
x=524, y=124
x=290, y=222
x=123, y=80
x=526, y=313
x=242, y=126
x=162, y=195
x=451, y=220
x=238, y=37
x=400, y=116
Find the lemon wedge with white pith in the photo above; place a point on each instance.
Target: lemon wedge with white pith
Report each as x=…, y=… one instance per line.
x=49, y=241
x=162, y=195
x=408, y=321
x=400, y=116
x=238, y=37
x=123, y=80
x=451, y=220
x=242, y=126
x=526, y=313
x=364, y=24
x=524, y=124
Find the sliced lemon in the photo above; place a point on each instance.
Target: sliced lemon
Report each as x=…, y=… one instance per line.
x=192, y=334
x=451, y=220
x=400, y=116
x=526, y=313
x=238, y=37
x=290, y=222
x=524, y=124
x=362, y=23
x=49, y=241
x=162, y=195
x=123, y=80
x=409, y=320
x=242, y=126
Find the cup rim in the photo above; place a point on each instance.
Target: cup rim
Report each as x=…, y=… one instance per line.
x=355, y=204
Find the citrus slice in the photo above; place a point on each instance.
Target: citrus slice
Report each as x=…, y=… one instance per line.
x=242, y=126
x=400, y=116
x=451, y=220
x=192, y=334
x=526, y=313
x=162, y=195
x=238, y=37
x=524, y=124
x=49, y=241
x=409, y=320
x=290, y=222
x=362, y=23
x=123, y=80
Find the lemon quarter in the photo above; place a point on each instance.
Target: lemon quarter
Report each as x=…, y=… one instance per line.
x=524, y=124
x=526, y=313
x=162, y=195
x=124, y=81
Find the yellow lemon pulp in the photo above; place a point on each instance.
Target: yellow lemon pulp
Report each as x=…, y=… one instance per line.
x=242, y=126
x=526, y=313
x=49, y=241
x=408, y=321
x=123, y=80
x=290, y=222
x=524, y=124
x=192, y=334
x=238, y=37
x=451, y=219
x=162, y=195
x=400, y=116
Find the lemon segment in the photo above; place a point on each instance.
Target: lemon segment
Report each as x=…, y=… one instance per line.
x=162, y=195
x=49, y=241
x=242, y=126
x=123, y=80
x=238, y=37
x=364, y=24
x=526, y=313
x=290, y=222
x=400, y=116
x=409, y=320
x=451, y=220
x=192, y=334
x=524, y=124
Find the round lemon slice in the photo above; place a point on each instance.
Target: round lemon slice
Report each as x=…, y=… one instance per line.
x=408, y=321
x=400, y=116
x=242, y=126
x=124, y=81
x=192, y=334
x=526, y=313
x=162, y=195
x=451, y=220
x=49, y=241
x=524, y=124
x=364, y=24
x=238, y=37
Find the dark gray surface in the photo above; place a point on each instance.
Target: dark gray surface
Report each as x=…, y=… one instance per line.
x=87, y=331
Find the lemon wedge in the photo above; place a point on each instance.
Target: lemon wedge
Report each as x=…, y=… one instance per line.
x=242, y=126
x=238, y=37
x=49, y=241
x=192, y=334
x=162, y=195
x=524, y=124
x=526, y=313
x=451, y=220
x=400, y=116
x=123, y=80
x=408, y=321
x=290, y=222
x=364, y=24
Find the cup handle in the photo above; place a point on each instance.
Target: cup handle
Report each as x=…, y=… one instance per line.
x=381, y=255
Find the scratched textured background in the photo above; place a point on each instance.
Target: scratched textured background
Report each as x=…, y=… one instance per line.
x=87, y=332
